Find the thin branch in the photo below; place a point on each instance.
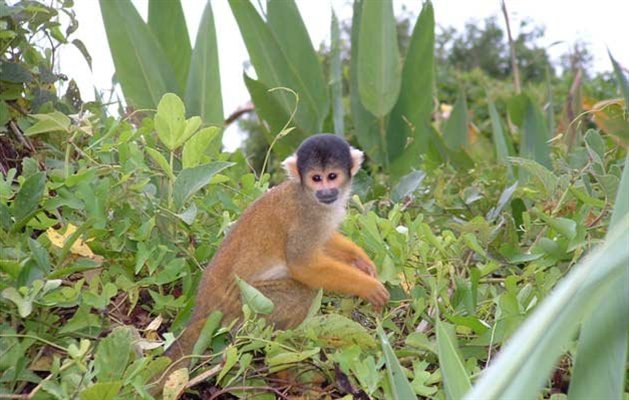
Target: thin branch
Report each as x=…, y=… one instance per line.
x=514, y=63
x=246, y=108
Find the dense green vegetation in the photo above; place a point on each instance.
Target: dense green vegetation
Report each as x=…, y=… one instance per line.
x=498, y=219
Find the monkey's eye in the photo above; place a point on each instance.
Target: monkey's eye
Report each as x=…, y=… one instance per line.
x=332, y=176
x=316, y=178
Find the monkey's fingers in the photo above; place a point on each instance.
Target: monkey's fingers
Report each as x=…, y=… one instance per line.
x=366, y=266
x=379, y=296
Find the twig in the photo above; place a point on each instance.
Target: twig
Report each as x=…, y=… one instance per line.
x=203, y=376
x=514, y=64
x=246, y=108
x=572, y=130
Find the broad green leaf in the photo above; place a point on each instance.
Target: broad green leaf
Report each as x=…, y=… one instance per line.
x=15, y=73
x=564, y=226
x=379, y=67
x=203, y=89
x=534, y=143
x=231, y=358
x=523, y=366
x=336, y=77
x=498, y=135
x=407, y=185
x=543, y=174
x=168, y=24
x=259, y=303
x=275, y=69
x=200, y=148
x=52, y=122
x=161, y=161
x=191, y=180
x=170, y=123
x=141, y=65
x=113, y=354
x=287, y=359
x=366, y=124
x=28, y=198
x=401, y=388
x=335, y=330
x=24, y=304
x=455, y=128
x=599, y=368
x=288, y=28
x=413, y=111
x=455, y=378
x=101, y=391
x=621, y=78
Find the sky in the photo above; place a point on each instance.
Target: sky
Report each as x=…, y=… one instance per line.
x=601, y=24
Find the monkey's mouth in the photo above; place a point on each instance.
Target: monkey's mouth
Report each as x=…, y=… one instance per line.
x=327, y=200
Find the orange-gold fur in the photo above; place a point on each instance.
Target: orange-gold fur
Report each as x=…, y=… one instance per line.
x=286, y=245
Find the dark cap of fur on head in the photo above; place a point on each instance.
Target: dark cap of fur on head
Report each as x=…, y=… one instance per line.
x=323, y=150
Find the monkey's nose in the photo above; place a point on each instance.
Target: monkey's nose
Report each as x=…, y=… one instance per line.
x=327, y=196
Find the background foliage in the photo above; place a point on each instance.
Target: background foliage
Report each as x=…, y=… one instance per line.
x=497, y=215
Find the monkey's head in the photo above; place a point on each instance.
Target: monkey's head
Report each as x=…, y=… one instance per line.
x=324, y=164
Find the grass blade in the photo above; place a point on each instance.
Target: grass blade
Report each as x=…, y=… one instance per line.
x=502, y=152
x=379, y=67
x=455, y=378
x=203, y=90
x=168, y=24
x=599, y=369
x=455, y=128
x=141, y=66
x=400, y=386
x=621, y=78
x=336, y=78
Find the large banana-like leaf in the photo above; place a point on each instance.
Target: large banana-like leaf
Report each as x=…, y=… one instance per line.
x=379, y=66
x=336, y=77
x=141, y=66
x=203, y=90
x=168, y=24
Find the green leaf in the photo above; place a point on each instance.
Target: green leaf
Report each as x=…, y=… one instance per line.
x=212, y=323
x=161, y=161
x=334, y=330
x=411, y=116
x=200, y=147
x=24, y=304
x=14, y=73
x=113, y=354
x=336, y=77
x=101, y=391
x=401, y=388
x=141, y=65
x=28, y=198
x=275, y=69
x=191, y=180
x=168, y=24
x=498, y=135
x=379, y=67
x=564, y=226
x=407, y=185
x=258, y=302
x=290, y=31
x=203, y=89
x=599, y=368
x=83, y=50
x=455, y=128
x=543, y=174
x=170, y=123
x=231, y=358
x=52, y=122
x=366, y=124
x=534, y=131
x=286, y=359
x=455, y=378
x=621, y=78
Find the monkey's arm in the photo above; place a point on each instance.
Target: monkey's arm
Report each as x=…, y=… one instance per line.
x=323, y=271
x=341, y=248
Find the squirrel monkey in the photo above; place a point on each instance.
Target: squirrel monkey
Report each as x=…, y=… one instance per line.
x=286, y=244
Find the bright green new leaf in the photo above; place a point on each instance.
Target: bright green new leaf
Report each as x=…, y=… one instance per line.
x=141, y=65
x=401, y=388
x=170, y=123
x=287, y=359
x=379, y=67
x=200, y=148
x=455, y=377
x=258, y=302
x=52, y=122
x=410, y=118
x=161, y=161
x=455, y=128
x=203, y=89
x=212, y=323
x=191, y=180
x=168, y=24
x=101, y=391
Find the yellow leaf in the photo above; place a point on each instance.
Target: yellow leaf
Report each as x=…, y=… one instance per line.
x=78, y=247
x=175, y=384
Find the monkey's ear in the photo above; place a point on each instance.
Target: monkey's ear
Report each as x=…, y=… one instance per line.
x=290, y=165
x=357, y=159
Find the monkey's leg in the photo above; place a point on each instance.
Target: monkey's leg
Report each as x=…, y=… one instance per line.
x=292, y=301
x=322, y=271
x=341, y=248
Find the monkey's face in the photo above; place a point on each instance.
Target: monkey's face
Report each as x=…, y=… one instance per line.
x=326, y=184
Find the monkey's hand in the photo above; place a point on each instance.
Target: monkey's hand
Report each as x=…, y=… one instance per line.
x=378, y=295
x=364, y=263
